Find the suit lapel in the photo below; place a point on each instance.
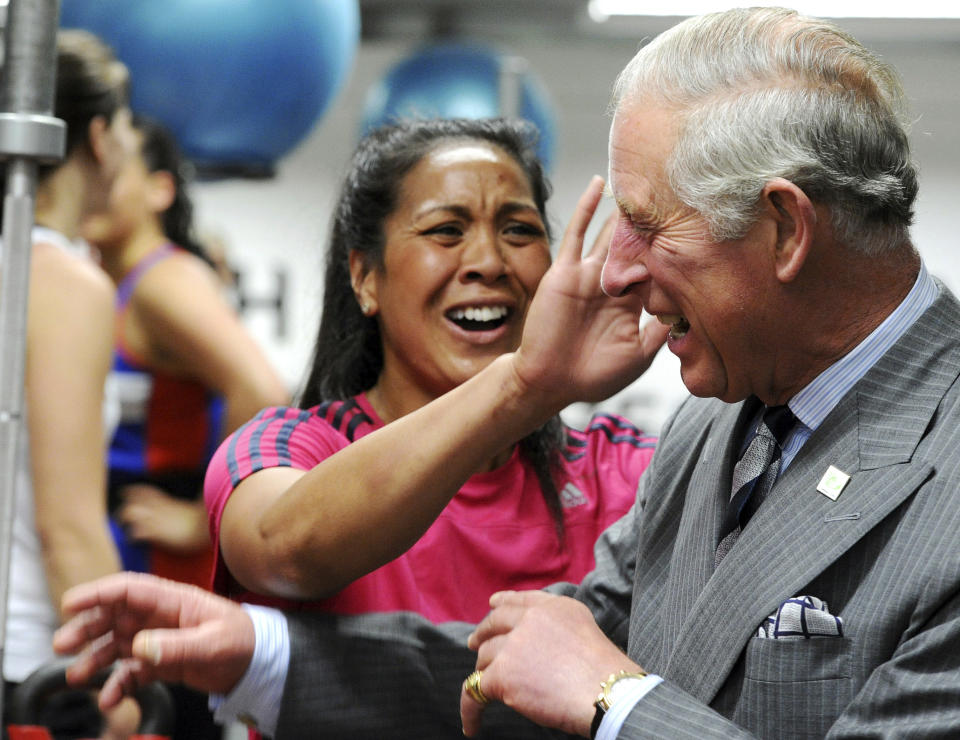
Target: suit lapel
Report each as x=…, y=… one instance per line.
x=691, y=566
x=871, y=435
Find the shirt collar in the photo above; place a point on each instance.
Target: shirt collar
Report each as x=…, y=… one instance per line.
x=47, y=235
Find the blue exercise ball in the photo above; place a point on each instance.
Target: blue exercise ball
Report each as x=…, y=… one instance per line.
x=453, y=80
x=239, y=82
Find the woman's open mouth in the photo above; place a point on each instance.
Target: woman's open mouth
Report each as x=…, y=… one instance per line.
x=479, y=318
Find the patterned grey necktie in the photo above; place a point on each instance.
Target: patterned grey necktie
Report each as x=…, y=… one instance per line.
x=754, y=474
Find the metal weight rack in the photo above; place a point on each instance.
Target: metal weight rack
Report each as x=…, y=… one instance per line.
x=29, y=136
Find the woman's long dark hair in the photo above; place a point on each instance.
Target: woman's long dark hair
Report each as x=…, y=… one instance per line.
x=161, y=153
x=348, y=356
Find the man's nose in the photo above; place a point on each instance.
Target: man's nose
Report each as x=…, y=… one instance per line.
x=623, y=268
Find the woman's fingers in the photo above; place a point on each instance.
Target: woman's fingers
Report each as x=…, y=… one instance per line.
x=571, y=246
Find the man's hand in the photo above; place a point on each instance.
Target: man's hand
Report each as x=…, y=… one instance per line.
x=544, y=656
x=157, y=630
x=578, y=343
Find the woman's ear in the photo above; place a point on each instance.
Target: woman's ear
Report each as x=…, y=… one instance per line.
x=364, y=283
x=107, y=148
x=97, y=139
x=796, y=219
x=161, y=191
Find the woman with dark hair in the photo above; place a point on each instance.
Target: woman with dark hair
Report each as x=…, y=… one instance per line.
x=60, y=534
x=439, y=241
x=185, y=368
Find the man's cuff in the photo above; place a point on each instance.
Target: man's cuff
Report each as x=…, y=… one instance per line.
x=613, y=720
x=255, y=700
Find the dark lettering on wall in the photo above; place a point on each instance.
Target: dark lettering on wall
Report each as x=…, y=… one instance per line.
x=275, y=302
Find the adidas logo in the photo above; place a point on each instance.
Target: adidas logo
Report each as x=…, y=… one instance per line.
x=571, y=496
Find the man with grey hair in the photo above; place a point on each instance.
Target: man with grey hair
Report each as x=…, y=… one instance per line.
x=790, y=567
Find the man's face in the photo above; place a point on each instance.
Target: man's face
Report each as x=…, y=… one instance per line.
x=714, y=295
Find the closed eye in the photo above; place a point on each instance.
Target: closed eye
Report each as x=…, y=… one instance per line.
x=638, y=226
x=641, y=227
x=641, y=220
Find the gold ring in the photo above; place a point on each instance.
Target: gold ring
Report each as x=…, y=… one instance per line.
x=472, y=687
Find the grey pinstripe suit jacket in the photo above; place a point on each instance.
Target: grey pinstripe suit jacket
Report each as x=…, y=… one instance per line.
x=885, y=556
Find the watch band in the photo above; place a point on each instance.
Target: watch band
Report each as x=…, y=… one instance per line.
x=605, y=701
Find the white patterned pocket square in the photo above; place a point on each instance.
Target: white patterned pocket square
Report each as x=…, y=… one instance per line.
x=801, y=618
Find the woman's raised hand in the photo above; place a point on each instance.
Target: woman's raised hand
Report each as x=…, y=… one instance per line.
x=578, y=343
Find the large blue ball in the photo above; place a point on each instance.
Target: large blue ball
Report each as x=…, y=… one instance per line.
x=454, y=80
x=239, y=82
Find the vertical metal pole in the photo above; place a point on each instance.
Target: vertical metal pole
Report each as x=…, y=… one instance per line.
x=28, y=135
x=512, y=70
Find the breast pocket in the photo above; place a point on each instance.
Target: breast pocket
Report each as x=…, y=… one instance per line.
x=795, y=688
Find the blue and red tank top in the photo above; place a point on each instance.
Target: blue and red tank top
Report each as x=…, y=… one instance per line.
x=169, y=428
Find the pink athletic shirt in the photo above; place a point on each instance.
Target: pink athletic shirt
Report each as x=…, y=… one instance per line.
x=495, y=534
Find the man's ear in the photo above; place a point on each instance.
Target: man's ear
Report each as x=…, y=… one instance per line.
x=796, y=219
x=364, y=283
x=162, y=191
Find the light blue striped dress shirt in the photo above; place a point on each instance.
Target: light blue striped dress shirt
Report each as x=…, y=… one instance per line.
x=813, y=403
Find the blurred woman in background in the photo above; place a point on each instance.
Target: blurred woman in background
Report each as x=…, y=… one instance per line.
x=186, y=369
x=60, y=533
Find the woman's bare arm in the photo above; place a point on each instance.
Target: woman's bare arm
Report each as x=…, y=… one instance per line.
x=308, y=534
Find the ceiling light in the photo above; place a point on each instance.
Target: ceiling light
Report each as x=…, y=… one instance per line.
x=602, y=10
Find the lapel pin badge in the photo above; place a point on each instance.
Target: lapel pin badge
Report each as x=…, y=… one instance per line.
x=832, y=483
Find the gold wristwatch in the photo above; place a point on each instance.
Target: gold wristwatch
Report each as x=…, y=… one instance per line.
x=610, y=690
